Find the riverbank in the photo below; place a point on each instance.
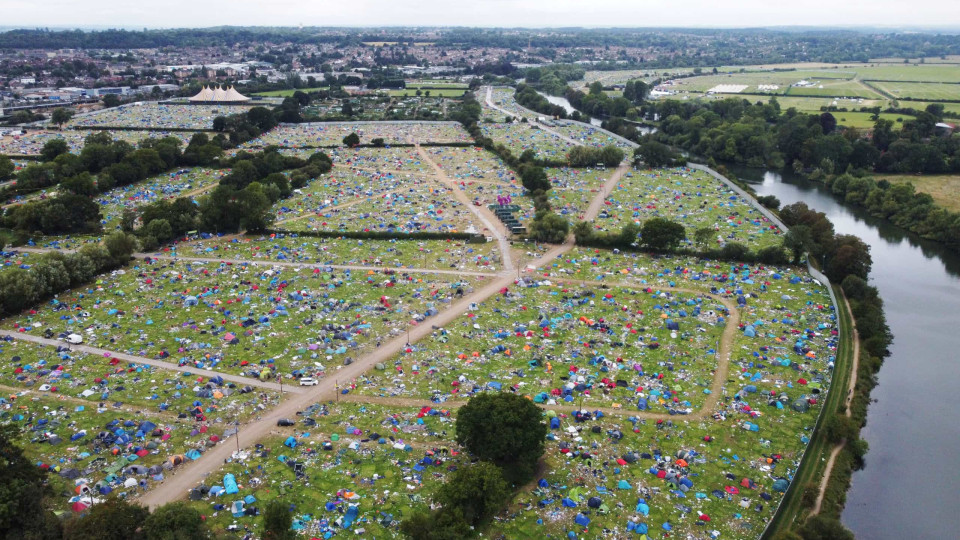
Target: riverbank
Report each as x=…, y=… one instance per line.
x=794, y=508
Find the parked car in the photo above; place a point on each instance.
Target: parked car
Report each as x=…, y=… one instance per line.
x=285, y=422
x=309, y=381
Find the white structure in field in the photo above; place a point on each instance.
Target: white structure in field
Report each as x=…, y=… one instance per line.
x=219, y=95
x=727, y=89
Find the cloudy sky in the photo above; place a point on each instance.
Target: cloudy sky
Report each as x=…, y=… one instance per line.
x=531, y=13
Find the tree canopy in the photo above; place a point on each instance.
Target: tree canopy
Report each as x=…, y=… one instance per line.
x=506, y=430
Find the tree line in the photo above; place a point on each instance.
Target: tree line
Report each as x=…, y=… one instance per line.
x=760, y=135
x=242, y=200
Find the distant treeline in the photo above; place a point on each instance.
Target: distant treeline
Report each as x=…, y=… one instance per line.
x=761, y=135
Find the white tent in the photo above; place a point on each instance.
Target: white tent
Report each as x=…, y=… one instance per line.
x=219, y=95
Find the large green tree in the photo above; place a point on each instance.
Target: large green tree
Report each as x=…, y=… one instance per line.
x=478, y=490
x=24, y=496
x=506, y=430
x=6, y=167
x=61, y=116
x=549, y=227
x=351, y=140
x=662, y=234
x=112, y=519
x=175, y=521
x=277, y=521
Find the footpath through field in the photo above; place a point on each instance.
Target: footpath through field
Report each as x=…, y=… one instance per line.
x=831, y=461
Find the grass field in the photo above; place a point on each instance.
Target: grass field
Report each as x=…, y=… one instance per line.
x=910, y=72
x=944, y=188
x=924, y=90
x=948, y=59
x=813, y=104
x=290, y=92
x=412, y=92
x=862, y=120
x=437, y=84
x=835, y=88
x=920, y=105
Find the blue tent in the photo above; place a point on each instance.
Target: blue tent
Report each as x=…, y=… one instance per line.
x=230, y=484
x=290, y=442
x=582, y=520
x=350, y=516
x=642, y=404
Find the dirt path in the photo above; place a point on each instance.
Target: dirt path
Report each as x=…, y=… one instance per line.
x=178, y=485
x=482, y=213
x=724, y=354
x=597, y=203
x=832, y=460
x=165, y=416
x=244, y=381
x=342, y=205
x=262, y=262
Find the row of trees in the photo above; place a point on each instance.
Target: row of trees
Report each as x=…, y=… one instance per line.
x=102, y=165
x=901, y=204
x=590, y=156
x=663, y=235
x=759, y=135
x=55, y=272
x=242, y=200
x=528, y=97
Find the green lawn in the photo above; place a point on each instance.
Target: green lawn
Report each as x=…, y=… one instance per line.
x=924, y=90
x=437, y=84
x=862, y=120
x=412, y=92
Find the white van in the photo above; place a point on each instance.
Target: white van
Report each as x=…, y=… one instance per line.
x=74, y=339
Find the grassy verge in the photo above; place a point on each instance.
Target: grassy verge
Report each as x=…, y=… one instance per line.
x=792, y=510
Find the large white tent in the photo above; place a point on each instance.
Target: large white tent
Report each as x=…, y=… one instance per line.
x=219, y=95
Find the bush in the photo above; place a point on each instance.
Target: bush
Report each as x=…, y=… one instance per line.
x=549, y=227
x=662, y=234
x=770, y=201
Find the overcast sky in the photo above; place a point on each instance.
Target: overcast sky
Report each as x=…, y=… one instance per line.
x=532, y=13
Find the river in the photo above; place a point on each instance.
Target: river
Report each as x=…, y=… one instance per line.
x=563, y=102
x=908, y=486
